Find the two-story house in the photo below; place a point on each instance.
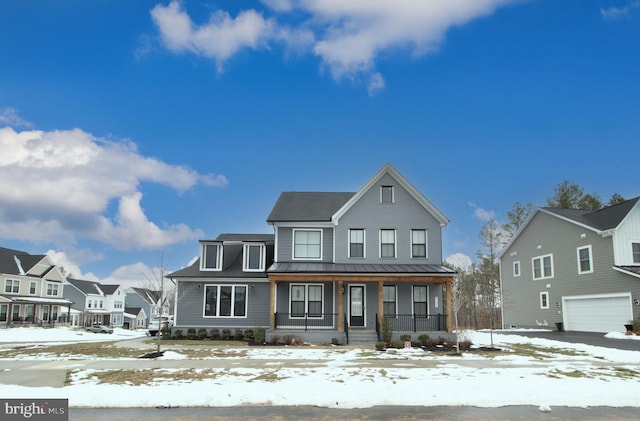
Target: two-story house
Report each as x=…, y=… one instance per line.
x=99, y=304
x=337, y=263
x=575, y=267
x=344, y=261
x=227, y=286
x=32, y=289
x=149, y=301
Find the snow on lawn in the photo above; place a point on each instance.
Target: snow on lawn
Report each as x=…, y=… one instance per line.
x=63, y=334
x=575, y=375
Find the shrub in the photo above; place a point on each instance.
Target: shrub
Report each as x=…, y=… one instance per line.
x=405, y=338
x=191, y=333
x=398, y=344
x=431, y=343
x=248, y=334
x=202, y=333
x=275, y=339
x=165, y=331
x=424, y=338
x=215, y=334
x=293, y=340
x=226, y=334
x=387, y=330
x=238, y=335
x=416, y=344
x=178, y=334
x=441, y=340
x=335, y=341
x=259, y=335
x=381, y=345
x=636, y=324
x=465, y=345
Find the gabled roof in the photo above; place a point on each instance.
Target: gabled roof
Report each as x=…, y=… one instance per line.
x=150, y=296
x=308, y=206
x=17, y=262
x=109, y=289
x=87, y=287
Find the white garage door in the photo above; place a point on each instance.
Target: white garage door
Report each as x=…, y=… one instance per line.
x=597, y=313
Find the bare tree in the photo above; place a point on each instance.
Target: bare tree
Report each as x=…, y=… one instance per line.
x=157, y=283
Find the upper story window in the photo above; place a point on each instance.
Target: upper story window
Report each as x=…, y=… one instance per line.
x=211, y=256
x=52, y=289
x=253, y=257
x=516, y=268
x=387, y=243
x=356, y=243
x=419, y=244
x=635, y=250
x=307, y=244
x=386, y=194
x=32, y=287
x=12, y=286
x=585, y=260
x=543, y=267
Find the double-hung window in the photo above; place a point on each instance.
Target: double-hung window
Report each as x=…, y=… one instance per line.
x=32, y=287
x=211, y=256
x=356, y=243
x=307, y=244
x=387, y=243
x=516, y=268
x=635, y=251
x=420, y=307
x=543, y=267
x=253, y=257
x=225, y=301
x=3, y=312
x=12, y=286
x=585, y=260
x=389, y=300
x=52, y=289
x=419, y=244
x=306, y=299
x=544, y=300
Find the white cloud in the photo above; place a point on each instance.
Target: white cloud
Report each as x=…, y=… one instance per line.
x=482, y=214
x=620, y=12
x=460, y=261
x=347, y=36
x=71, y=269
x=139, y=275
x=57, y=186
x=9, y=117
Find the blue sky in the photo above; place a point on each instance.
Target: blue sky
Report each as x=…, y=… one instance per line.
x=130, y=130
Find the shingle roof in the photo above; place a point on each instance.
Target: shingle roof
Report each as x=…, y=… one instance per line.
x=109, y=289
x=8, y=263
x=603, y=219
x=86, y=287
x=308, y=206
x=301, y=267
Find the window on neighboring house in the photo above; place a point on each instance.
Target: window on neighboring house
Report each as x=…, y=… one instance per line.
x=254, y=257
x=585, y=260
x=307, y=244
x=389, y=306
x=306, y=299
x=544, y=300
x=15, y=315
x=387, y=243
x=117, y=319
x=419, y=244
x=225, y=301
x=12, y=286
x=356, y=243
x=542, y=267
x=54, y=313
x=386, y=194
x=516, y=268
x=45, y=313
x=4, y=308
x=420, y=307
x=635, y=250
x=88, y=303
x=32, y=287
x=52, y=289
x=211, y=256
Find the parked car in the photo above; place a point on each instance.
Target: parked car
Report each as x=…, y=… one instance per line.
x=99, y=329
x=155, y=324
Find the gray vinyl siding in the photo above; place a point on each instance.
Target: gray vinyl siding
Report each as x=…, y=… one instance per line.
x=190, y=305
x=285, y=244
x=134, y=300
x=521, y=295
x=283, y=291
x=72, y=294
x=403, y=215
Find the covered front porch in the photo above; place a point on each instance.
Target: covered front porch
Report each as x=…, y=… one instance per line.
x=19, y=311
x=322, y=306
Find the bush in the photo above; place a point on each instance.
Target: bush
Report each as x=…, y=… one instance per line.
x=441, y=340
x=259, y=335
x=381, y=345
x=335, y=341
x=178, y=334
x=398, y=344
x=424, y=338
x=248, y=334
x=275, y=339
x=165, y=331
x=215, y=334
x=465, y=345
x=202, y=333
x=387, y=330
x=238, y=335
x=191, y=333
x=636, y=324
x=431, y=343
x=405, y=338
x=292, y=340
x=226, y=334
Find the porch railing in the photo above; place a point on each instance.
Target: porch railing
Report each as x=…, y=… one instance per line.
x=412, y=323
x=346, y=328
x=326, y=321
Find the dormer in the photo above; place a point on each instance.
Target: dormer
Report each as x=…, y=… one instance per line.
x=254, y=256
x=211, y=255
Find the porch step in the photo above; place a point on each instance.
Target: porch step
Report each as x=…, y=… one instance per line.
x=362, y=336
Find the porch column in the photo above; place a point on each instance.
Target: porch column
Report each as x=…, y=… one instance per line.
x=448, y=310
x=340, y=298
x=272, y=306
x=380, y=301
x=10, y=314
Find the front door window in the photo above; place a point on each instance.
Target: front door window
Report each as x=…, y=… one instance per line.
x=356, y=306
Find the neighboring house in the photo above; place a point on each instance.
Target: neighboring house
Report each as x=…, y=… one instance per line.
x=575, y=267
x=148, y=300
x=341, y=262
x=99, y=304
x=227, y=286
x=135, y=318
x=32, y=289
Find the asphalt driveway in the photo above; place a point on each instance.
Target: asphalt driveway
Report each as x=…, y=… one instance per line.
x=588, y=338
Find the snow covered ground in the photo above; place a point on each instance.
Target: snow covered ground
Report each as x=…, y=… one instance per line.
x=575, y=375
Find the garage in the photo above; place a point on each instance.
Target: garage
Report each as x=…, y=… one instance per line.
x=597, y=313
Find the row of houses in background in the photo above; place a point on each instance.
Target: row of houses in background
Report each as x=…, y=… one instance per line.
x=35, y=291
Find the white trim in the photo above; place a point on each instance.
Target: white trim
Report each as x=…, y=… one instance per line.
x=533, y=268
x=546, y=295
x=364, y=243
x=219, y=257
x=395, y=288
x=306, y=300
x=426, y=243
x=245, y=256
x=293, y=243
x=580, y=271
x=517, y=273
x=393, y=194
x=233, y=301
x=413, y=301
x=631, y=247
x=395, y=243
x=364, y=303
